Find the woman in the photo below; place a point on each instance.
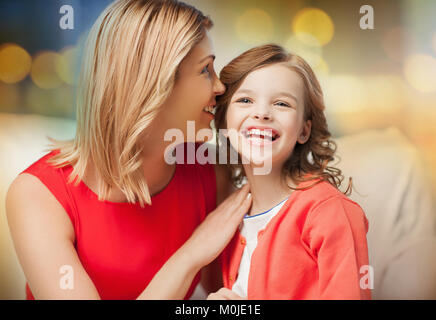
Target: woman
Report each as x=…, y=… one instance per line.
x=105, y=216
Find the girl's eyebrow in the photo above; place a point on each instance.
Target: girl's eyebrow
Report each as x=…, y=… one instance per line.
x=287, y=94
x=281, y=93
x=246, y=91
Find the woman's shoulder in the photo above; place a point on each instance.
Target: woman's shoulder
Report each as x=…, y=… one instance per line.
x=42, y=184
x=29, y=199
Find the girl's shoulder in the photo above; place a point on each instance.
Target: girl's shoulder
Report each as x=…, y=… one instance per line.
x=324, y=199
x=319, y=191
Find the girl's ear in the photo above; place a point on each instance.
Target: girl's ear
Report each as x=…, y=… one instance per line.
x=305, y=132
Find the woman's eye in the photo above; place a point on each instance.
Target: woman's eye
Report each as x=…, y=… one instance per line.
x=205, y=69
x=243, y=100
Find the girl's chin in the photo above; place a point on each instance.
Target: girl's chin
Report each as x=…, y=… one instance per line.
x=257, y=159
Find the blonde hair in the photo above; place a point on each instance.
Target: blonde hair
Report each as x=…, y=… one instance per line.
x=311, y=157
x=131, y=58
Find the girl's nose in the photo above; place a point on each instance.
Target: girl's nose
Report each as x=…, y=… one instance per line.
x=261, y=113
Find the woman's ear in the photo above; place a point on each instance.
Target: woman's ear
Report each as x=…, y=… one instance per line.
x=305, y=132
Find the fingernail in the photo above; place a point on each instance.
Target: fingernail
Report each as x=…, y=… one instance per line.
x=249, y=195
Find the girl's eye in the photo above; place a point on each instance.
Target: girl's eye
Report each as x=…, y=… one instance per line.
x=244, y=100
x=282, y=104
x=205, y=69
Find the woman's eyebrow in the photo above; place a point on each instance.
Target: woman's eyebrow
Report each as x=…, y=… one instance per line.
x=205, y=58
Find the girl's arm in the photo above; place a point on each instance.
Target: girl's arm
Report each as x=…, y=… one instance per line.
x=335, y=231
x=43, y=237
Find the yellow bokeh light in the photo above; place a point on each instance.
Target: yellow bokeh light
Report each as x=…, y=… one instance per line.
x=315, y=22
x=15, y=63
x=420, y=71
x=309, y=49
x=66, y=65
x=255, y=26
x=44, y=73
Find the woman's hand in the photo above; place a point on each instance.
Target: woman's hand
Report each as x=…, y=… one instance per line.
x=204, y=245
x=216, y=231
x=224, y=294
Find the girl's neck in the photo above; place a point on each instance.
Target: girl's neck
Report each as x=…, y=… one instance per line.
x=267, y=190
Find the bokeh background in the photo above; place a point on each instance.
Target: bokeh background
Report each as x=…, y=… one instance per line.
x=371, y=78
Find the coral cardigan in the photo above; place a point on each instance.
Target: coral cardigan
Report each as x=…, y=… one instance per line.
x=121, y=245
x=312, y=249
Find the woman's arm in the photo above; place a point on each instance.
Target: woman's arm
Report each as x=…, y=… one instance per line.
x=211, y=275
x=203, y=247
x=44, y=241
x=43, y=237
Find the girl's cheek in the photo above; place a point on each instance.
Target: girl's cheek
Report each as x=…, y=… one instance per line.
x=231, y=118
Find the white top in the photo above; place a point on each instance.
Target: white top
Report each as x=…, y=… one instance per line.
x=249, y=229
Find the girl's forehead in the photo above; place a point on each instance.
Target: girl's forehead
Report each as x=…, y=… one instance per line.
x=277, y=77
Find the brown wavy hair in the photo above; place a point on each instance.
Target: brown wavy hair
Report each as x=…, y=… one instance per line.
x=313, y=156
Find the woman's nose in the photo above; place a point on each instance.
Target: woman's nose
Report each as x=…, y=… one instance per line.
x=219, y=87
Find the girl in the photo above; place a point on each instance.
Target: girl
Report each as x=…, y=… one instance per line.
x=124, y=228
x=302, y=237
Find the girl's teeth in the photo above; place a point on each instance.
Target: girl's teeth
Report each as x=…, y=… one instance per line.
x=260, y=132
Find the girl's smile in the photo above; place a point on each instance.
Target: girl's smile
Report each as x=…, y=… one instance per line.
x=260, y=135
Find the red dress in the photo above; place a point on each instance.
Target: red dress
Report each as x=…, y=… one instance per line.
x=121, y=245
